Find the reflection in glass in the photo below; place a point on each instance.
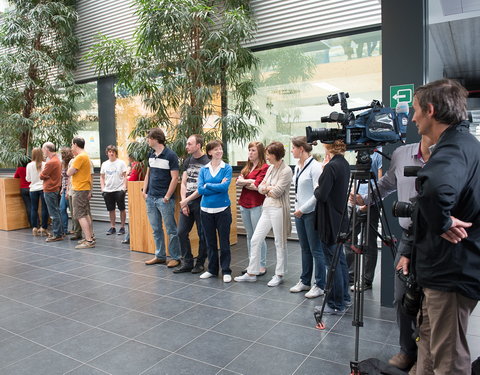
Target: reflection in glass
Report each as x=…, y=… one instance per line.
x=87, y=107
x=294, y=81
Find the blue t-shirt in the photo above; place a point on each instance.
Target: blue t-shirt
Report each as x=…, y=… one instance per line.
x=160, y=166
x=376, y=165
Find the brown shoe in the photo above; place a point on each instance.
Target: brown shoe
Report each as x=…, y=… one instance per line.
x=155, y=261
x=54, y=239
x=401, y=361
x=86, y=245
x=173, y=263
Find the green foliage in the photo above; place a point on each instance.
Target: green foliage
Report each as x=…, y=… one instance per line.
x=37, y=87
x=186, y=54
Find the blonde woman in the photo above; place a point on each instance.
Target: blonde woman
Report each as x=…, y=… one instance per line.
x=36, y=193
x=275, y=215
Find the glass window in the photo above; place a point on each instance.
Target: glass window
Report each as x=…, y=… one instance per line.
x=87, y=107
x=294, y=81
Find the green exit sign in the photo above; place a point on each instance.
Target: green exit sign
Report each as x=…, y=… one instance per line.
x=401, y=93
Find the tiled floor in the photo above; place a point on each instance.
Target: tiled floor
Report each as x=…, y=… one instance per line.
x=102, y=311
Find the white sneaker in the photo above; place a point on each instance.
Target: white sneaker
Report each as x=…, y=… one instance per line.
x=227, y=278
x=299, y=287
x=246, y=277
x=206, y=275
x=314, y=292
x=276, y=280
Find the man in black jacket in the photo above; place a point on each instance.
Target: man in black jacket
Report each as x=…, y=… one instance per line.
x=447, y=229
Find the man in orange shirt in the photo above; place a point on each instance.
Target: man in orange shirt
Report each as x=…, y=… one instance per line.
x=82, y=191
x=51, y=175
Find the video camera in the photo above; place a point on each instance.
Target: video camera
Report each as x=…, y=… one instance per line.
x=377, y=126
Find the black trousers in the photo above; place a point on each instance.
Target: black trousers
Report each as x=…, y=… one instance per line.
x=185, y=226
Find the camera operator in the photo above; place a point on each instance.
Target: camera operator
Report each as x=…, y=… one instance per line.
x=415, y=154
x=446, y=256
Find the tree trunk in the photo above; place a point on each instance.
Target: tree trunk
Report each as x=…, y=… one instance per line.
x=224, y=110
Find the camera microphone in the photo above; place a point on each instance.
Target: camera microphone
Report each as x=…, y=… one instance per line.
x=402, y=111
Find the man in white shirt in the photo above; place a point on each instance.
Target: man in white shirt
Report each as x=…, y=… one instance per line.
x=113, y=183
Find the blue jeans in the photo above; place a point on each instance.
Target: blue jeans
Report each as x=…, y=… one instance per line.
x=213, y=223
x=312, y=251
x=339, y=289
x=53, y=203
x=185, y=225
x=250, y=217
x=159, y=211
x=35, y=197
x=63, y=211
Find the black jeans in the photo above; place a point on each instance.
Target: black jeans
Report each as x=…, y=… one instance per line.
x=213, y=223
x=25, y=193
x=371, y=250
x=185, y=225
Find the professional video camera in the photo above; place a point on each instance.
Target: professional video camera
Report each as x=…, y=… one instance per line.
x=374, y=127
x=406, y=209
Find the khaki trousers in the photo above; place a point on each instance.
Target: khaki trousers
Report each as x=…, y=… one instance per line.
x=443, y=347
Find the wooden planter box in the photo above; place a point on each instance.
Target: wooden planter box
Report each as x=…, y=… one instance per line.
x=141, y=237
x=12, y=208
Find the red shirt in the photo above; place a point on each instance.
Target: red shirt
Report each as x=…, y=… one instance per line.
x=252, y=198
x=134, y=172
x=21, y=173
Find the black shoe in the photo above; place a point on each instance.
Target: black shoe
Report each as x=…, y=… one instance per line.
x=198, y=268
x=112, y=230
x=121, y=232
x=182, y=269
x=262, y=273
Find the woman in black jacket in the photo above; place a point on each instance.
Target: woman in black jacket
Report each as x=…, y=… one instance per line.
x=332, y=194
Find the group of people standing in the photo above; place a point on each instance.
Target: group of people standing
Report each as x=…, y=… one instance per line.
x=320, y=200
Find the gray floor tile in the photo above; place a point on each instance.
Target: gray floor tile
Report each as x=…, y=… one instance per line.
x=165, y=307
x=341, y=349
x=214, y=348
x=132, y=298
x=178, y=365
x=4, y=334
x=163, y=287
x=27, y=320
x=51, y=333
x=268, y=309
x=57, y=280
x=373, y=329
x=315, y=366
x=133, y=281
x=194, y=293
x=86, y=370
x=131, y=324
x=46, y=362
x=303, y=315
x=86, y=271
x=69, y=305
x=98, y=314
x=16, y=348
x=203, y=316
x=170, y=335
x=109, y=275
x=229, y=301
x=89, y=344
x=79, y=286
x=104, y=292
x=295, y=338
x=48, y=295
x=130, y=358
x=36, y=274
x=245, y=326
x=261, y=359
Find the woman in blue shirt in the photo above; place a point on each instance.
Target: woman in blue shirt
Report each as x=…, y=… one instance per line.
x=213, y=183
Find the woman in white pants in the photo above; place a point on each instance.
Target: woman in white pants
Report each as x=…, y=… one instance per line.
x=275, y=215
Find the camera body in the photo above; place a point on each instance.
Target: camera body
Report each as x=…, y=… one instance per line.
x=376, y=126
x=412, y=299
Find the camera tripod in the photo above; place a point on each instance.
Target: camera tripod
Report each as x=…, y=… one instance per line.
x=361, y=173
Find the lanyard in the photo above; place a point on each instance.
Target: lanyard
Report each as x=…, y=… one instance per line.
x=299, y=172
